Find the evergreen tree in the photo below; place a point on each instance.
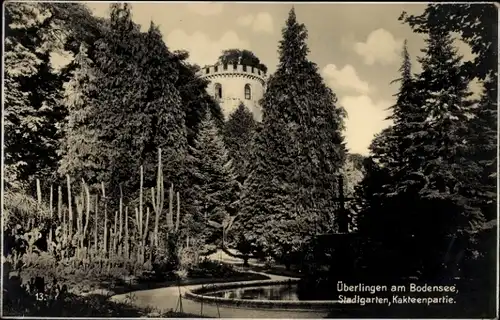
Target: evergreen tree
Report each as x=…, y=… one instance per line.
x=117, y=81
x=216, y=182
x=353, y=175
x=484, y=148
x=422, y=165
x=196, y=103
x=370, y=193
x=299, y=153
x=79, y=136
x=393, y=152
x=450, y=175
x=33, y=111
x=238, y=133
x=476, y=25
x=138, y=109
x=195, y=98
x=163, y=113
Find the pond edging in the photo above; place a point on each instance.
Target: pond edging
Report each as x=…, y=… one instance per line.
x=195, y=294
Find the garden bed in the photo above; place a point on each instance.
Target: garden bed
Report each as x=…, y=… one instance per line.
x=242, y=276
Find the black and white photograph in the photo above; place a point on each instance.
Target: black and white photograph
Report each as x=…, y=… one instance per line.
x=272, y=160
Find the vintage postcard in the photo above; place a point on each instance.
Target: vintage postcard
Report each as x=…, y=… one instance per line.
x=249, y=160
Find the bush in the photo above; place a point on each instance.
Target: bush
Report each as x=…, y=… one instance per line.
x=208, y=249
x=20, y=207
x=208, y=269
x=269, y=263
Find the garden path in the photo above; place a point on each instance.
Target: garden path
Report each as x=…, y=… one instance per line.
x=168, y=298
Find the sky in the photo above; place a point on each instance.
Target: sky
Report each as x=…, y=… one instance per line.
x=357, y=47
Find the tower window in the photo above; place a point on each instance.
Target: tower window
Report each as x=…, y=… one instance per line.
x=244, y=68
x=225, y=66
x=218, y=91
x=216, y=68
x=248, y=92
x=235, y=66
x=207, y=70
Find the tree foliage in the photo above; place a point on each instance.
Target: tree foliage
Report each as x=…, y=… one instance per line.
x=33, y=111
x=216, y=184
x=238, y=134
x=421, y=182
x=195, y=99
x=138, y=110
x=245, y=57
x=475, y=24
x=298, y=152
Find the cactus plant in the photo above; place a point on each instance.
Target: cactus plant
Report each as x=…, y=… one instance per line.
x=87, y=212
x=127, y=243
x=51, y=200
x=105, y=241
x=70, y=212
x=170, y=207
x=95, y=222
x=120, y=232
x=158, y=199
x=177, y=222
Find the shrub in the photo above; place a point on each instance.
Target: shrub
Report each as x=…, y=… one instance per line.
x=269, y=263
x=208, y=269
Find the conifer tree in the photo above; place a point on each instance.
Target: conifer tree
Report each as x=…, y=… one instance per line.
x=216, y=182
x=137, y=111
x=121, y=88
x=371, y=195
x=163, y=113
x=438, y=178
x=484, y=148
x=80, y=139
x=195, y=99
x=475, y=25
x=422, y=164
x=299, y=153
x=32, y=107
x=451, y=176
x=238, y=133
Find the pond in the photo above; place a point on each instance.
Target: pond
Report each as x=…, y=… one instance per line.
x=287, y=292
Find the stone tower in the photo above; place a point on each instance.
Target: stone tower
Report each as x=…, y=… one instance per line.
x=235, y=83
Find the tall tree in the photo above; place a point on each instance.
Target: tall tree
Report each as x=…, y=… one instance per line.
x=80, y=139
x=238, y=133
x=424, y=158
x=165, y=119
x=137, y=111
x=33, y=110
x=216, y=182
x=476, y=25
x=110, y=114
x=353, y=175
x=299, y=151
x=484, y=147
x=449, y=172
x=195, y=98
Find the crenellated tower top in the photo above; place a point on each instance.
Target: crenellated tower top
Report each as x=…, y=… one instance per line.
x=233, y=70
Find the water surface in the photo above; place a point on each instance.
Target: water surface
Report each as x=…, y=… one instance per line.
x=287, y=292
